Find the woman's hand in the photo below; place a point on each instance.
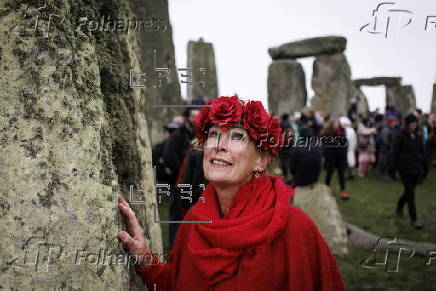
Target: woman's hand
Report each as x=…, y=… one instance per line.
x=134, y=238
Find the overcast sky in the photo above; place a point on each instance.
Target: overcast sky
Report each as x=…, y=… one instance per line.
x=242, y=31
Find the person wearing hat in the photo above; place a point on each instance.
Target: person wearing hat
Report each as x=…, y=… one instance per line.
x=408, y=153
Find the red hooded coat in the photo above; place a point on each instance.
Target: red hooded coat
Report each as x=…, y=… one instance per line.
x=262, y=243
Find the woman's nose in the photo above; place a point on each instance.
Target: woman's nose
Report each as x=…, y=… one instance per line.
x=222, y=142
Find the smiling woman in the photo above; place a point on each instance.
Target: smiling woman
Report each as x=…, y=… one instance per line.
x=257, y=240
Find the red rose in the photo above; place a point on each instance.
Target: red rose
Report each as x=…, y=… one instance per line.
x=201, y=122
x=274, y=140
x=225, y=111
x=256, y=120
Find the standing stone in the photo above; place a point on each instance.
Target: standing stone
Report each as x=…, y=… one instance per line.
x=401, y=97
x=392, y=93
x=156, y=40
x=201, y=61
x=407, y=103
x=433, y=101
x=331, y=81
x=286, y=87
x=73, y=137
x=319, y=203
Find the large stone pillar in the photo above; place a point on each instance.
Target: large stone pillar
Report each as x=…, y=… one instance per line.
x=201, y=61
x=157, y=51
x=286, y=87
x=73, y=137
x=401, y=97
x=392, y=95
x=433, y=101
x=331, y=81
x=407, y=103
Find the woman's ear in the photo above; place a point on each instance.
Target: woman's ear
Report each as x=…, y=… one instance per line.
x=263, y=161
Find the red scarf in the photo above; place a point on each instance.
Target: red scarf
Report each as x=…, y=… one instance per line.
x=258, y=215
x=262, y=235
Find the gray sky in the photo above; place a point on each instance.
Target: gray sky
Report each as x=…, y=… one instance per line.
x=243, y=30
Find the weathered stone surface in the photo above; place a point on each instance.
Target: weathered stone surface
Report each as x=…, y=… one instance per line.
x=321, y=206
x=309, y=47
x=433, y=101
x=378, y=81
x=160, y=41
x=73, y=137
x=401, y=97
x=331, y=81
x=286, y=87
x=201, y=61
x=407, y=103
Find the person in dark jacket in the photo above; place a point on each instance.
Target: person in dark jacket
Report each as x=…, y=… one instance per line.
x=410, y=163
x=335, y=154
x=163, y=173
x=385, y=158
x=306, y=158
x=174, y=153
x=284, y=153
x=194, y=177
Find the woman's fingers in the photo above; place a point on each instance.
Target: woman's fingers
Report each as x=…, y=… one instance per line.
x=133, y=225
x=125, y=237
x=122, y=200
x=136, y=245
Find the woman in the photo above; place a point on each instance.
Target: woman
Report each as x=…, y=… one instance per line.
x=366, y=145
x=335, y=154
x=257, y=240
x=408, y=153
x=351, y=136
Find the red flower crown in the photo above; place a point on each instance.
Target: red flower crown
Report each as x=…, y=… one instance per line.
x=225, y=112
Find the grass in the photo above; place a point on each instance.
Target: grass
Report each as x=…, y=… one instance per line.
x=412, y=274
x=372, y=207
x=373, y=202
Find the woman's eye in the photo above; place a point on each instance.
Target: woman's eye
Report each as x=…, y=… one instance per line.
x=213, y=134
x=237, y=136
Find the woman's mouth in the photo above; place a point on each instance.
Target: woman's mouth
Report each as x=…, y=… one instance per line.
x=220, y=163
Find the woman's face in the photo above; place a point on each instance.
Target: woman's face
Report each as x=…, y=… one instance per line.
x=231, y=157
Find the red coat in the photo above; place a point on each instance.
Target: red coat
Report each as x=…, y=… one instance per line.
x=263, y=243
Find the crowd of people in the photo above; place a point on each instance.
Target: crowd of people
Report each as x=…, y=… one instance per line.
x=393, y=147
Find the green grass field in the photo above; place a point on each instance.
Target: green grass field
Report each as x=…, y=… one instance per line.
x=372, y=207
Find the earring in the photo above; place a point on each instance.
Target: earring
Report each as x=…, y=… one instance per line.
x=256, y=174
